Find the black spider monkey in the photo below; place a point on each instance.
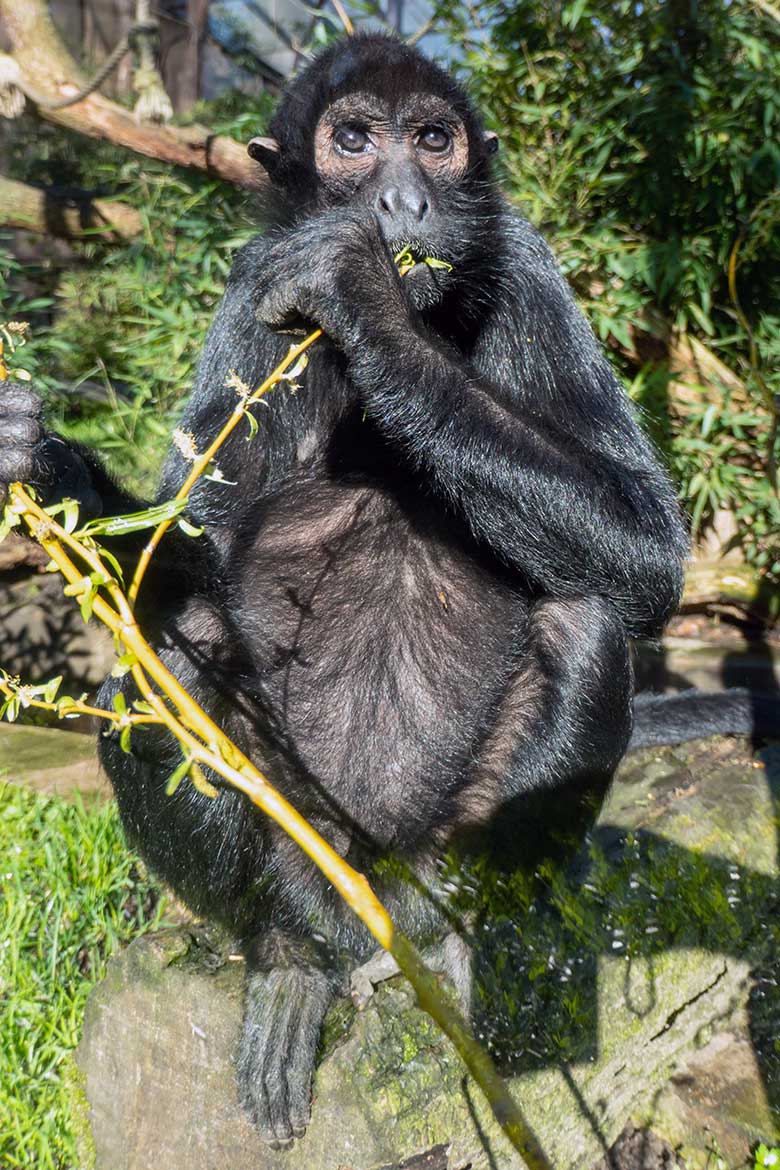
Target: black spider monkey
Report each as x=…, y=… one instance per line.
x=413, y=599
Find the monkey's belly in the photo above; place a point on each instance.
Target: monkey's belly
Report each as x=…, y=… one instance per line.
x=381, y=647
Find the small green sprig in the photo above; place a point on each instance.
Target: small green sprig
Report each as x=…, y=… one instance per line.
x=406, y=261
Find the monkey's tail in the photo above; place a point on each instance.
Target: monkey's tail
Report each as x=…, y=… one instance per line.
x=662, y=720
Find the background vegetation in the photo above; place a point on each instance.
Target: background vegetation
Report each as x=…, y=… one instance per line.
x=71, y=894
x=643, y=138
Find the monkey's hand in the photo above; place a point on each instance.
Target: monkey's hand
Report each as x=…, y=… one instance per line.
x=291, y=983
x=29, y=455
x=335, y=271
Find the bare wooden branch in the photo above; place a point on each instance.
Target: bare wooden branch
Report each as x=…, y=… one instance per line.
x=344, y=17
x=70, y=214
x=50, y=73
x=768, y=9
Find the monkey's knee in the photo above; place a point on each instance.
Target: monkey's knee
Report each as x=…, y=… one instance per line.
x=581, y=652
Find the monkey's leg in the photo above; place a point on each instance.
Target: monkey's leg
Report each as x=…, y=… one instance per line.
x=291, y=982
x=559, y=734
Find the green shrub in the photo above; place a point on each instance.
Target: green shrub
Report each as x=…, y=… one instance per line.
x=644, y=138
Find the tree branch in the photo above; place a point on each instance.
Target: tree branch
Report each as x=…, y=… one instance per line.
x=58, y=212
x=49, y=73
x=768, y=9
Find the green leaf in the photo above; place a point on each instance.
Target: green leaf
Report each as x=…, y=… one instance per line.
x=134, y=521
x=571, y=15
x=708, y=419
x=143, y=708
x=201, y=783
x=123, y=665
x=433, y=262
x=701, y=317
x=114, y=563
x=70, y=516
x=253, y=427
x=189, y=529
x=87, y=603
x=124, y=738
x=176, y=777
x=51, y=687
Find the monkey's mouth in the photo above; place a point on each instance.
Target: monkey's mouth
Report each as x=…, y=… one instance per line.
x=424, y=275
x=410, y=256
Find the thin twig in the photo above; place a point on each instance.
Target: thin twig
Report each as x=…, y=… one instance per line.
x=344, y=17
x=66, y=707
x=421, y=31
x=202, y=462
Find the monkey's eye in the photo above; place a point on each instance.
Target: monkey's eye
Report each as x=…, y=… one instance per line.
x=434, y=138
x=350, y=140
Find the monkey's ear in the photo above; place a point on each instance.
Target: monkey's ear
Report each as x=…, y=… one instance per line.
x=490, y=138
x=265, y=151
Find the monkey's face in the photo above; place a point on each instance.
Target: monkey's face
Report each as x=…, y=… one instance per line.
x=400, y=163
x=372, y=124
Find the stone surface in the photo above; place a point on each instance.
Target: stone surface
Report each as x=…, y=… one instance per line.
x=716, y=1101
x=42, y=633
x=613, y=998
x=639, y=1149
x=50, y=761
x=679, y=663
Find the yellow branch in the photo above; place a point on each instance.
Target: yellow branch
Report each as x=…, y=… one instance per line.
x=207, y=744
x=66, y=706
x=202, y=462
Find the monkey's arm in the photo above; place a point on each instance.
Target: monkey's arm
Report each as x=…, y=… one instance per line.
x=552, y=471
x=240, y=344
x=533, y=441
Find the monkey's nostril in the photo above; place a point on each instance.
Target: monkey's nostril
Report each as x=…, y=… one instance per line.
x=425, y=207
x=390, y=201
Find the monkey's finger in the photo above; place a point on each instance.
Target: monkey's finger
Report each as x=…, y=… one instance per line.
x=256, y=1093
x=19, y=430
x=16, y=464
x=300, y=1069
x=16, y=398
x=257, y=1103
x=275, y=1084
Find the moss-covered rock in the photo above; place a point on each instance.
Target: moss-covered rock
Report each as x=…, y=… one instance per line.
x=640, y=984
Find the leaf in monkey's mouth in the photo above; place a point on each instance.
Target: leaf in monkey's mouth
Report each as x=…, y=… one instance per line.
x=407, y=260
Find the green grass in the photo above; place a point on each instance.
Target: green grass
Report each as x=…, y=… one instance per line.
x=70, y=894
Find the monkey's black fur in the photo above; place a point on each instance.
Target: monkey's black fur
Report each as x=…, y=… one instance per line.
x=412, y=604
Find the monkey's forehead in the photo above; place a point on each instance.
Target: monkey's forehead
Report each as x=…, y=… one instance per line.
x=373, y=109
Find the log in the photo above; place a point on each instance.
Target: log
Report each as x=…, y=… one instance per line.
x=637, y=983
x=713, y=584
x=50, y=73
x=69, y=214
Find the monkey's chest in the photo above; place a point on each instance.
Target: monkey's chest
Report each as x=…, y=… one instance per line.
x=380, y=645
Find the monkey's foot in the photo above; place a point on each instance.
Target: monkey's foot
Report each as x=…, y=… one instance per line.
x=451, y=957
x=285, y=1007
